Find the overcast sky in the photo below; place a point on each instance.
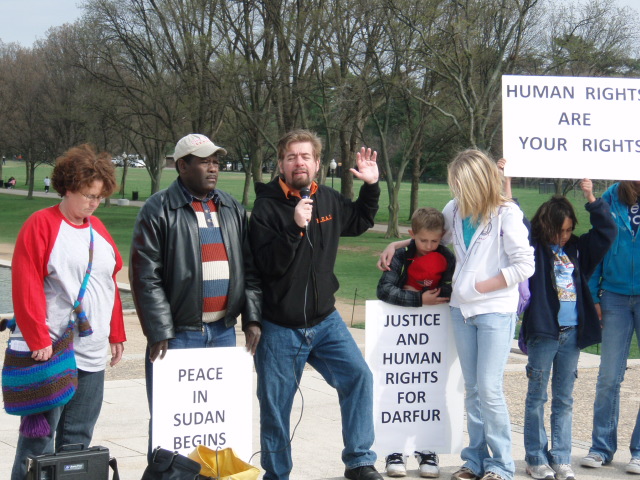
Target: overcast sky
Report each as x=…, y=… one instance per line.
x=24, y=21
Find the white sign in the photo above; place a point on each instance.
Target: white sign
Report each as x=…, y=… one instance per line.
x=203, y=396
x=418, y=393
x=571, y=127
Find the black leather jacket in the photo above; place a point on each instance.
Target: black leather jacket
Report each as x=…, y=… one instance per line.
x=165, y=268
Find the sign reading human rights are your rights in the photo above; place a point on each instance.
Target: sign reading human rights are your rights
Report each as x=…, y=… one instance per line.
x=571, y=127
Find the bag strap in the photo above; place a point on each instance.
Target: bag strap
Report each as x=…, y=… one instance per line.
x=113, y=463
x=84, y=328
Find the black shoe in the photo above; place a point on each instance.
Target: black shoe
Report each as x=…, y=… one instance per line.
x=367, y=472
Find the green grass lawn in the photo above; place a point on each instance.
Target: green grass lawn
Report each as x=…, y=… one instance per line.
x=432, y=194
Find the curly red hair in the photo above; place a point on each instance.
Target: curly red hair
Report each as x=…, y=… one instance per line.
x=79, y=167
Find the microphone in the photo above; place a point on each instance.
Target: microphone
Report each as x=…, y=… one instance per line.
x=305, y=193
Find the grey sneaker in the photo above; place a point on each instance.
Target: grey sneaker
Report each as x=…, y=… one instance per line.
x=492, y=476
x=464, y=474
x=593, y=460
x=563, y=471
x=396, y=465
x=633, y=466
x=428, y=464
x=541, y=472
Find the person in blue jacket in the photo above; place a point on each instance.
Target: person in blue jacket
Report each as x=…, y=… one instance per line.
x=615, y=287
x=560, y=320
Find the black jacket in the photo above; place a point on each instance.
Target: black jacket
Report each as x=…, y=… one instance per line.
x=586, y=251
x=391, y=282
x=296, y=268
x=165, y=269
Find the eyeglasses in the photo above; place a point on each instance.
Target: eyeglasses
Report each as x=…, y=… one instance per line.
x=93, y=198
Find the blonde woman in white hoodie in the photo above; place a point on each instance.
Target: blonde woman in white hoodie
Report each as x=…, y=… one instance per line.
x=493, y=256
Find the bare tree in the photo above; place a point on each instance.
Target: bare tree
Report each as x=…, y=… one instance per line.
x=596, y=38
x=470, y=44
x=157, y=57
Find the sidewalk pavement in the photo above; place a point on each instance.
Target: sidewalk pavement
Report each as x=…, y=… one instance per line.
x=317, y=442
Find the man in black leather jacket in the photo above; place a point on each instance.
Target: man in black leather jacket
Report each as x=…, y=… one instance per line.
x=191, y=268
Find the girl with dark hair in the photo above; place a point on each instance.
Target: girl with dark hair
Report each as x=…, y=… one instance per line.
x=560, y=320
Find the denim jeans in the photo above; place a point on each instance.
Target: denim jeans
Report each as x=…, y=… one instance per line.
x=561, y=353
x=280, y=359
x=214, y=334
x=620, y=317
x=70, y=424
x=483, y=343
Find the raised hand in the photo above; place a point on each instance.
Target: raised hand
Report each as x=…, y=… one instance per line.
x=587, y=190
x=367, y=167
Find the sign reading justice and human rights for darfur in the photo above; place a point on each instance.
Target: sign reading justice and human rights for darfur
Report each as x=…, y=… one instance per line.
x=418, y=399
x=571, y=127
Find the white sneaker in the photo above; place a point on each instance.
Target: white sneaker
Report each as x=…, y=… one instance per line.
x=541, y=472
x=633, y=466
x=396, y=465
x=563, y=471
x=427, y=463
x=593, y=460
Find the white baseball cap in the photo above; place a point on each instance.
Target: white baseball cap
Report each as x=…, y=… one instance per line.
x=196, y=144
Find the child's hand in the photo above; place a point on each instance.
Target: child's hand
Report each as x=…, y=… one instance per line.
x=507, y=180
x=430, y=297
x=384, y=262
x=587, y=190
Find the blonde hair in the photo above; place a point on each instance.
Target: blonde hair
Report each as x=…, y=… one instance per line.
x=300, y=135
x=475, y=183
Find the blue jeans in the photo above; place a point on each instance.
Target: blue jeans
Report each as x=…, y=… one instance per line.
x=620, y=317
x=280, y=359
x=70, y=424
x=214, y=334
x=563, y=354
x=483, y=343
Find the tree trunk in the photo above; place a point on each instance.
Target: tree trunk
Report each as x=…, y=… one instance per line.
x=247, y=188
x=415, y=185
x=31, y=168
x=155, y=181
x=347, y=162
x=394, y=208
x=124, y=177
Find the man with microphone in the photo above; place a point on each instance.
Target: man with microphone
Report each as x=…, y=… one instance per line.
x=295, y=228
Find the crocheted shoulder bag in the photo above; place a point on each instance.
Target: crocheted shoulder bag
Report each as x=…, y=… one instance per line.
x=30, y=387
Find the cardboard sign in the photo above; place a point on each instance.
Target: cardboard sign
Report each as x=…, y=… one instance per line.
x=571, y=127
x=203, y=396
x=418, y=399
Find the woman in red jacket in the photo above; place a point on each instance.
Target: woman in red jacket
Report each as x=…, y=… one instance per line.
x=50, y=262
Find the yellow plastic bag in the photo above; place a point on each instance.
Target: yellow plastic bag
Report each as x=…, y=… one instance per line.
x=230, y=466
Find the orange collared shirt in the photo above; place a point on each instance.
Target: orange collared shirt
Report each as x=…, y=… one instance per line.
x=296, y=193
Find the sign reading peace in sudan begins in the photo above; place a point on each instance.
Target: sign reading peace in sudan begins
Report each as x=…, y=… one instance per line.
x=571, y=127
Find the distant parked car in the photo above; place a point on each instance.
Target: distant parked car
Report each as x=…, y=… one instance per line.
x=117, y=161
x=137, y=163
